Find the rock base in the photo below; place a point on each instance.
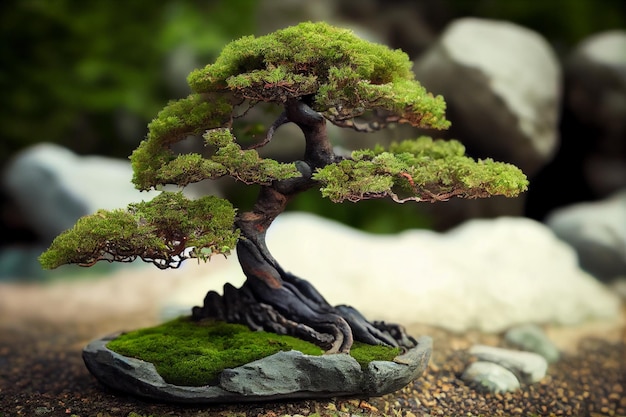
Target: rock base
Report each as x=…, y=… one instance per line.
x=284, y=375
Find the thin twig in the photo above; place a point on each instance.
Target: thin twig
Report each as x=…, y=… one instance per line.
x=281, y=120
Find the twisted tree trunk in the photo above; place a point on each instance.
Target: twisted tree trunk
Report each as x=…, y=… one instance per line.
x=274, y=300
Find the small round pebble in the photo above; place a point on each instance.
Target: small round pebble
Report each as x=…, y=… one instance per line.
x=531, y=338
x=490, y=377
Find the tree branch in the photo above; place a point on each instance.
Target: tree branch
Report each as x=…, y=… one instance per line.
x=378, y=120
x=281, y=120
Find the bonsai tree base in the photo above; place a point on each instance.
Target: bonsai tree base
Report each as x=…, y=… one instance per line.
x=282, y=375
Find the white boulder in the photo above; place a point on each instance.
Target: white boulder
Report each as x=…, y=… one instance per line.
x=486, y=274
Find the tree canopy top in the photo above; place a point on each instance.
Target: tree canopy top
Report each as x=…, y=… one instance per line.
x=345, y=76
x=351, y=82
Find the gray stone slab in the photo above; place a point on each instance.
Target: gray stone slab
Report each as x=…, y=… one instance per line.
x=284, y=375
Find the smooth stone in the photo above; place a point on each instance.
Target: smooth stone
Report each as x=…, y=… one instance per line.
x=528, y=367
x=284, y=375
x=490, y=377
x=607, y=48
x=597, y=231
x=530, y=338
x=595, y=99
x=280, y=373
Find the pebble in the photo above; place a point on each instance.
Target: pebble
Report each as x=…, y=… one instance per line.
x=531, y=338
x=527, y=366
x=490, y=377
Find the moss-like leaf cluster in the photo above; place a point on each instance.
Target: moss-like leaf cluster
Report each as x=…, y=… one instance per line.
x=191, y=353
x=229, y=159
x=246, y=165
x=345, y=75
x=178, y=120
x=419, y=170
x=164, y=231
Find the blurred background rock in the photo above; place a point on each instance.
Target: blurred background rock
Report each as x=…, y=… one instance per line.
x=89, y=76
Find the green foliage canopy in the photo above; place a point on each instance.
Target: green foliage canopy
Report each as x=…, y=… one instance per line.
x=338, y=75
x=418, y=170
x=345, y=76
x=164, y=231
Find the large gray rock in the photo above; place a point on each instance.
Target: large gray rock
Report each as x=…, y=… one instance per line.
x=501, y=82
x=488, y=275
x=283, y=375
x=53, y=186
x=595, y=96
x=597, y=231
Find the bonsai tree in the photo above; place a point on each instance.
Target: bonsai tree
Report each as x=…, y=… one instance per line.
x=315, y=74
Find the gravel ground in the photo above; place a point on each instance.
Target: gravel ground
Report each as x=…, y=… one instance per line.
x=42, y=374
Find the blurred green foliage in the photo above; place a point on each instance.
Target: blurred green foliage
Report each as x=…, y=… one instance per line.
x=74, y=72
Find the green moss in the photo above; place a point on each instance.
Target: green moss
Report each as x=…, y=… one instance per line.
x=189, y=168
x=191, y=353
x=310, y=48
x=154, y=164
x=229, y=159
x=157, y=230
x=364, y=353
x=422, y=170
x=188, y=116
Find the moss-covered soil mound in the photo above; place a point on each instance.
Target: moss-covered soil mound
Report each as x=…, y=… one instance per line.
x=190, y=353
